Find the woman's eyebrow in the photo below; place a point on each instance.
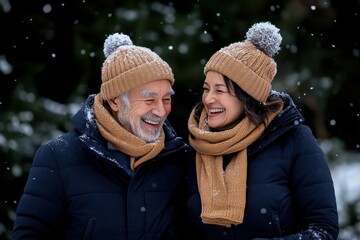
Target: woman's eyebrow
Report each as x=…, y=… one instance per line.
x=216, y=84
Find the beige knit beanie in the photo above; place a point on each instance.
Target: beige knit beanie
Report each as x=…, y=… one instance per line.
x=250, y=63
x=127, y=66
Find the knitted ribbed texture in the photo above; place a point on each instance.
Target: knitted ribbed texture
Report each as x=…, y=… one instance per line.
x=223, y=193
x=251, y=69
x=225, y=205
x=129, y=67
x=138, y=150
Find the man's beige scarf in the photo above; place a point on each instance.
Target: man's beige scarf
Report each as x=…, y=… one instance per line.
x=138, y=150
x=223, y=193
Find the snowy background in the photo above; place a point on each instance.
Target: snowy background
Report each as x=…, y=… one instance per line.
x=346, y=178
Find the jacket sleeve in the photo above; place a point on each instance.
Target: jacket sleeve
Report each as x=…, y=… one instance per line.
x=312, y=189
x=42, y=203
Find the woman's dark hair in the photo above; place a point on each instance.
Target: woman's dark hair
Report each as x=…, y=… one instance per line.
x=255, y=111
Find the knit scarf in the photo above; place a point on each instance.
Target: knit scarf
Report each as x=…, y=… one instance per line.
x=223, y=193
x=138, y=150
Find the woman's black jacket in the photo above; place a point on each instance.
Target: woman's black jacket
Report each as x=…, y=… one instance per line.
x=290, y=193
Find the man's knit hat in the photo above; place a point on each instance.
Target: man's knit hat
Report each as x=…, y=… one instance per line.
x=250, y=63
x=127, y=66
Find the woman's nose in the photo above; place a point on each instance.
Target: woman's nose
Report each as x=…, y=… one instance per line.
x=209, y=98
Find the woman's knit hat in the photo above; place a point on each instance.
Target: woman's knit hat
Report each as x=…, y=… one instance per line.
x=250, y=63
x=127, y=66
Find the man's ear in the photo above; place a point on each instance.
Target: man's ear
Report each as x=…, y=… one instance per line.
x=114, y=104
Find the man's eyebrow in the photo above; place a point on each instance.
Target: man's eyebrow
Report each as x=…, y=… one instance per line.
x=147, y=93
x=171, y=92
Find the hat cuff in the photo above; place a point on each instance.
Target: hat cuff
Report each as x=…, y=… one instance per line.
x=244, y=77
x=135, y=77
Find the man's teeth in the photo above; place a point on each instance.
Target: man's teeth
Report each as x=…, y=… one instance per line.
x=151, y=122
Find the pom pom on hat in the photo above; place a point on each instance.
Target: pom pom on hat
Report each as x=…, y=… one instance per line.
x=127, y=66
x=250, y=63
x=114, y=41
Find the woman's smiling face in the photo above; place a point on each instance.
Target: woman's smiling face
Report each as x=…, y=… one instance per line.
x=221, y=104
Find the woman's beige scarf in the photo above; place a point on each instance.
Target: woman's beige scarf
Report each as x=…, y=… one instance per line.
x=223, y=193
x=138, y=150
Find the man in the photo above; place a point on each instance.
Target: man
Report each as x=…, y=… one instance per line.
x=119, y=173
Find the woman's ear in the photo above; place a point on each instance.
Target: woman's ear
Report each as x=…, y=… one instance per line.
x=114, y=104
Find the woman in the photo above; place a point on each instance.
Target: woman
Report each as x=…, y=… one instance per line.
x=256, y=171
